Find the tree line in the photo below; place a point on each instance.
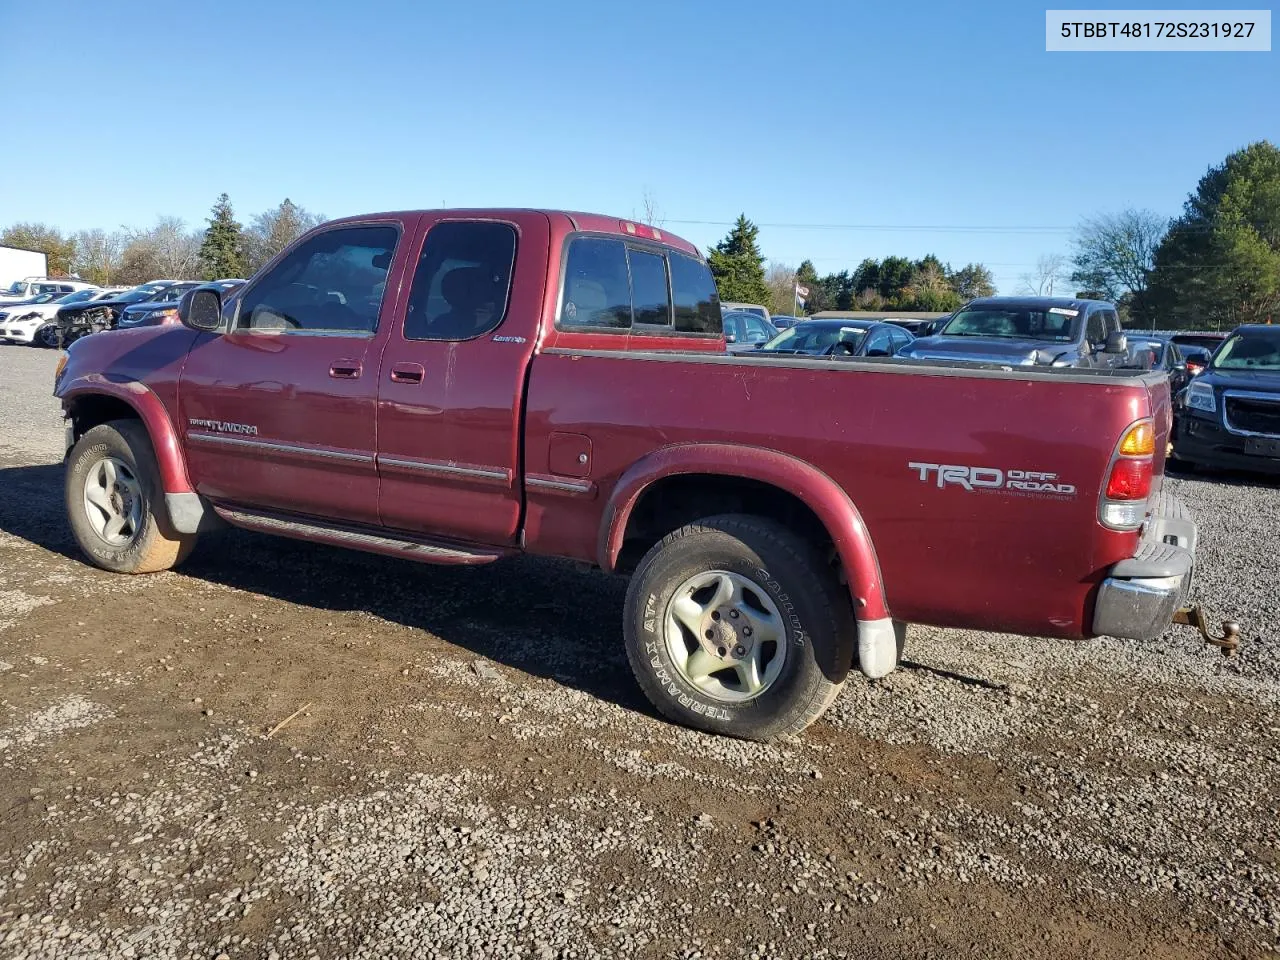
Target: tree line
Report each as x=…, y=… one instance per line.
x=169, y=250
x=894, y=283
x=1214, y=267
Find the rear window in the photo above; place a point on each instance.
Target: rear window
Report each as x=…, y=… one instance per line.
x=693, y=294
x=612, y=285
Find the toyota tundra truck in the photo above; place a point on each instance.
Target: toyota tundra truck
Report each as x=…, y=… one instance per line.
x=453, y=387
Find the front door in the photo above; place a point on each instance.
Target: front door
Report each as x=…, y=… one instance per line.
x=451, y=383
x=279, y=411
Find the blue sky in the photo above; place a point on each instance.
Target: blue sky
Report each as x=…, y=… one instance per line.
x=907, y=115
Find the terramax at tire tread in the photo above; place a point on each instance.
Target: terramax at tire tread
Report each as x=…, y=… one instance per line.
x=803, y=575
x=159, y=547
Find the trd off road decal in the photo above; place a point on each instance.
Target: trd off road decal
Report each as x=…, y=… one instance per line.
x=223, y=426
x=992, y=478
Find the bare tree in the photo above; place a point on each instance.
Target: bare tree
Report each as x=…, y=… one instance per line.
x=168, y=250
x=781, y=281
x=274, y=230
x=1050, y=273
x=1115, y=252
x=98, y=254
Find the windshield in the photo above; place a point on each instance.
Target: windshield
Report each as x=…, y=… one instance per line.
x=1055, y=324
x=1249, y=351
x=133, y=296
x=816, y=338
x=16, y=287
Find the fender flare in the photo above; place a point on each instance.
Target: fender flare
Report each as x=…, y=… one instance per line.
x=814, y=488
x=152, y=413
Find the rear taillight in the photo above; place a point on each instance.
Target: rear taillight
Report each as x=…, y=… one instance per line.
x=1124, y=498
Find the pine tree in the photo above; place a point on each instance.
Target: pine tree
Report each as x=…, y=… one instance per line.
x=737, y=265
x=222, y=252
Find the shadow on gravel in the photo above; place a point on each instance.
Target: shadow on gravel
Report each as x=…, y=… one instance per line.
x=541, y=616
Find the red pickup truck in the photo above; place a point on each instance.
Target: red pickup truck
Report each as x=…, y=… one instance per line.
x=455, y=386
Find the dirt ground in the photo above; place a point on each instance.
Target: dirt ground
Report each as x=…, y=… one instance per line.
x=287, y=751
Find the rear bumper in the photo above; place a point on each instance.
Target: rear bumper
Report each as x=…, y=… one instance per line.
x=1140, y=595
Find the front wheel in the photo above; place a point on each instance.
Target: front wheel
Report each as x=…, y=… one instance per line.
x=735, y=625
x=46, y=336
x=115, y=503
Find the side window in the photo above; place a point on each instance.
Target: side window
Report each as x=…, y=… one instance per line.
x=462, y=282
x=332, y=283
x=596, y=289
x=1095, y=330
x=650, y=298
x=693, y=295
x=899, y=338
x=733, y=328
x=879, y=344
x=758, y=331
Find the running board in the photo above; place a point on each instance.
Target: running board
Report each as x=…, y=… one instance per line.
x=408, y=548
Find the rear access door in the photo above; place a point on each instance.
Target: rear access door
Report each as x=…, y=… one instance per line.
x=452, y=377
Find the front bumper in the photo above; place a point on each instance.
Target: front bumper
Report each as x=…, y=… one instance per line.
x=1200, y=440
x=1140, y=595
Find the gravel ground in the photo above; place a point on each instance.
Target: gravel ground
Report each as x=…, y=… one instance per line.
x=468, y=770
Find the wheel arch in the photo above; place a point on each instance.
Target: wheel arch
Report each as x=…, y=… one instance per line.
x=90, y=404
x=673, y=482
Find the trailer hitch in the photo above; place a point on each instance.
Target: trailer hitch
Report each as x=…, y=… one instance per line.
x=1193, y=616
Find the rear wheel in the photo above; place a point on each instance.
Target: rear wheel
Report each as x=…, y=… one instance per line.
x=735, y=625
x=115, y=503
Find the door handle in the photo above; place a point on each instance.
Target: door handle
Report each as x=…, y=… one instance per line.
x=407, y=373
x=345, y=369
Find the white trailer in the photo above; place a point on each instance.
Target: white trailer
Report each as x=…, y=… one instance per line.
x=17, y=265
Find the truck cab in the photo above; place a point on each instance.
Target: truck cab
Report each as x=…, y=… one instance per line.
x=1028, y=331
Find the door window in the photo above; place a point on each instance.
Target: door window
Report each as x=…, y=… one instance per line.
x=758, y=331
x=1095, y=329
x=332, y=283
x=879, y=344
x=463, y=281
x=733, y=328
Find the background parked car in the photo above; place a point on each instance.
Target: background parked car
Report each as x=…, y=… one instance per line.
x=27, y=323
x=1209, y=341
x=160, y=307
x=80, y=319
x=840, y=338
x=1159, y=353
x=1197, y=358
x=1029, y=331
x=755, y=308
x=1229, y=416
x=745, y=331
x=23, y=290
x=784, y=321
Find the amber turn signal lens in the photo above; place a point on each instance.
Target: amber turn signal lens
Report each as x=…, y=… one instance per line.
x=1139, y=440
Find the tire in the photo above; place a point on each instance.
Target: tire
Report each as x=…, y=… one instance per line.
x=46, y=336
x=146, y=543
x=771, y=567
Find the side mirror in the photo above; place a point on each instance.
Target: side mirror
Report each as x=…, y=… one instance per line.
x=1117, y=342
x=202, y=312
x=730, y=338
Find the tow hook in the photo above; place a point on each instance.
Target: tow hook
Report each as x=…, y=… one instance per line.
x=1228, y=643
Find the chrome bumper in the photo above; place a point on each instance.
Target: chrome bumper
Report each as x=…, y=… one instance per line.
x=1138, y=599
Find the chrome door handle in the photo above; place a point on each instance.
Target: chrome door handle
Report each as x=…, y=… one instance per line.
x=407, y=373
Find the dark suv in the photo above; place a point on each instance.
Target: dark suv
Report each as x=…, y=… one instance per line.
x=1028, y=332
x=1230, y=414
